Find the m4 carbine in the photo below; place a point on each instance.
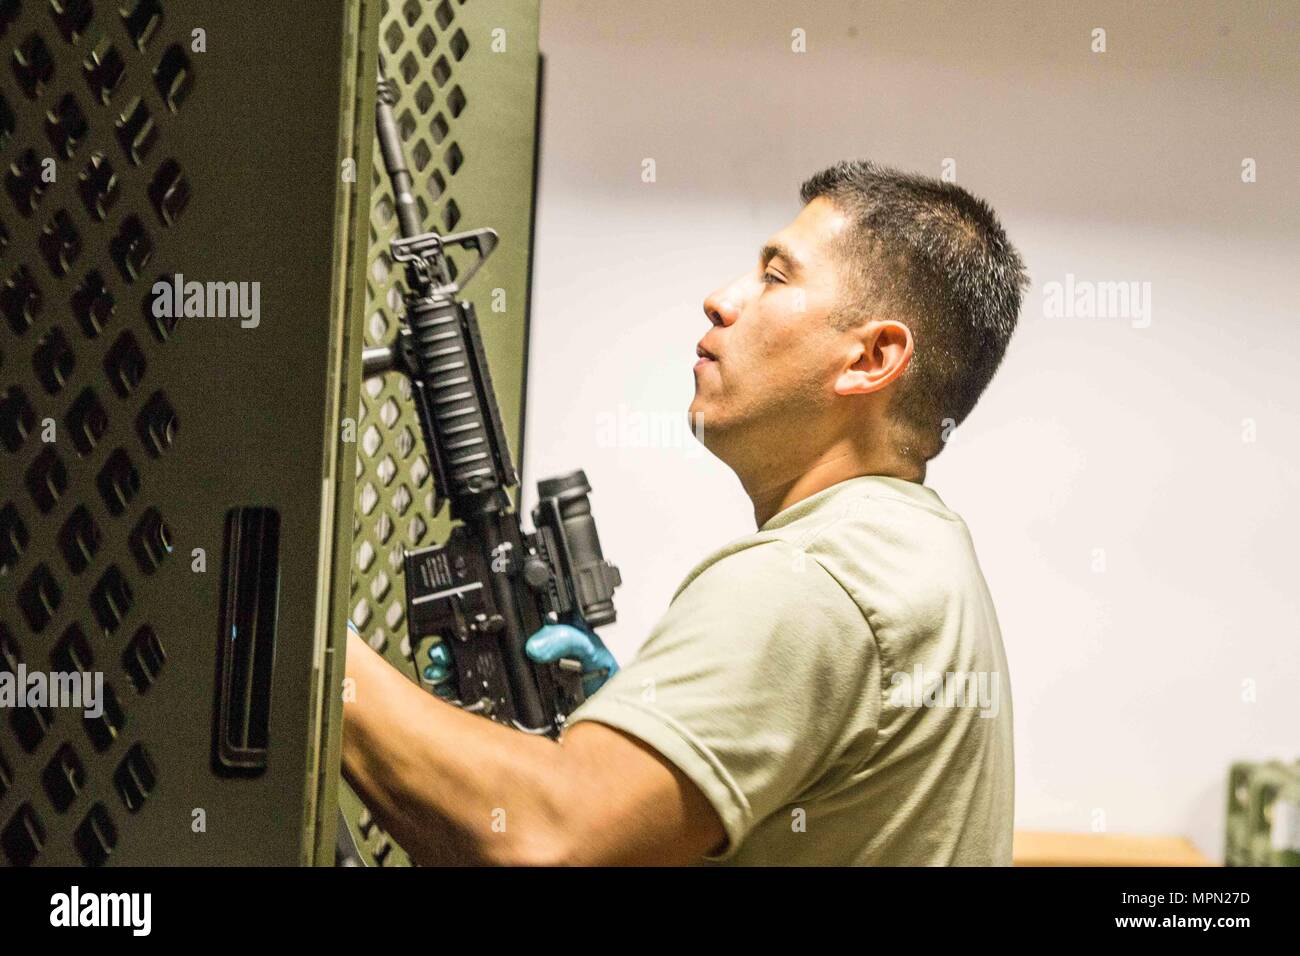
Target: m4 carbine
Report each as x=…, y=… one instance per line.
x=491, y=584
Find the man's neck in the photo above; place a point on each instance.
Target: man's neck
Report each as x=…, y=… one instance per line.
x=771, y=497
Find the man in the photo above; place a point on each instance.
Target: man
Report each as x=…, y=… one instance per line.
x=831, y=689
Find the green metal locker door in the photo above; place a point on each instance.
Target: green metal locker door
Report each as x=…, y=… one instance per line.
x=175, y=496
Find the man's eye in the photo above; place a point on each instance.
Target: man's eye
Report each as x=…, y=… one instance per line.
x=771, y=278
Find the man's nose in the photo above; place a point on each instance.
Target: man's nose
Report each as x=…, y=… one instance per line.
x=722, y=307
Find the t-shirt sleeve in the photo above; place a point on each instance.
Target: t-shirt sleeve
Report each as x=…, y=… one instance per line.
x=758, y=678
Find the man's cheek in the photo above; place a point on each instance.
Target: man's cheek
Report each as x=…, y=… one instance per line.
x=774, y=353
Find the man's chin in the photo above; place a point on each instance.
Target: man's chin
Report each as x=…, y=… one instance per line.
x=697, y=419
x=701, y=409
x=707, y=425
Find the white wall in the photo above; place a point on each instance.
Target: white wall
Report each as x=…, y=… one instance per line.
x=1096, y=434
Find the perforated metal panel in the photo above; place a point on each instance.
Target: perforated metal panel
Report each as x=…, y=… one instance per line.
x=140, y=139
x=467, y=71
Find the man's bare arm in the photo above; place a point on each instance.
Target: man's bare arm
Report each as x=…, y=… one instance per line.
x=452, y=787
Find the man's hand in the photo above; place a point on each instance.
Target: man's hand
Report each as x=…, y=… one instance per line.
x=546, y=646
x=444, y=783
x=556, y=641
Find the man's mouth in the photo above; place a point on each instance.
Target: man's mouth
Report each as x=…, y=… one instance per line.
x=703, y=356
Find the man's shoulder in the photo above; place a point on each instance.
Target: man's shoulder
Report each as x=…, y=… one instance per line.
x=894, y=547
x=844, y=538
x=891, y=548
x=884, y=536
x=764, y=565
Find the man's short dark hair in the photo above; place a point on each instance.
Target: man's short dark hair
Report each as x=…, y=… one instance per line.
x=929, y=254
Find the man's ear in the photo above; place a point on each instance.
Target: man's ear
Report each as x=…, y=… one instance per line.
x=881, y=352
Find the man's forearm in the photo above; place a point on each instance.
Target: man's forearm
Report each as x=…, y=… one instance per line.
x=449, y=786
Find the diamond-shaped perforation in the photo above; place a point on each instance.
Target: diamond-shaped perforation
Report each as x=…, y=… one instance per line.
x=90, y=195
x=423, y=43
x=386, y=482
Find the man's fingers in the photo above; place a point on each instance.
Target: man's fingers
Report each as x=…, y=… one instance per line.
x=439, y=667
x=439, y=656
x=435, y=674
x=554, y=641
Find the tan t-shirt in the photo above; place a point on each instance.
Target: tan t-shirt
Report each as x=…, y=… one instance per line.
x=835, y=685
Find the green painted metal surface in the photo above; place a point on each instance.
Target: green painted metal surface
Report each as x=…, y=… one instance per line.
x=185, y=138
x=467, y=73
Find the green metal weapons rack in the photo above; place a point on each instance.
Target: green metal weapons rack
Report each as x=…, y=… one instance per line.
x=467, y=73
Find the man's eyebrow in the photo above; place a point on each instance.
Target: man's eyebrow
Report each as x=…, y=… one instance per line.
x=774, y=250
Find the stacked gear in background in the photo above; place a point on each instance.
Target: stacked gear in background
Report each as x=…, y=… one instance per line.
x=1263, y=827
